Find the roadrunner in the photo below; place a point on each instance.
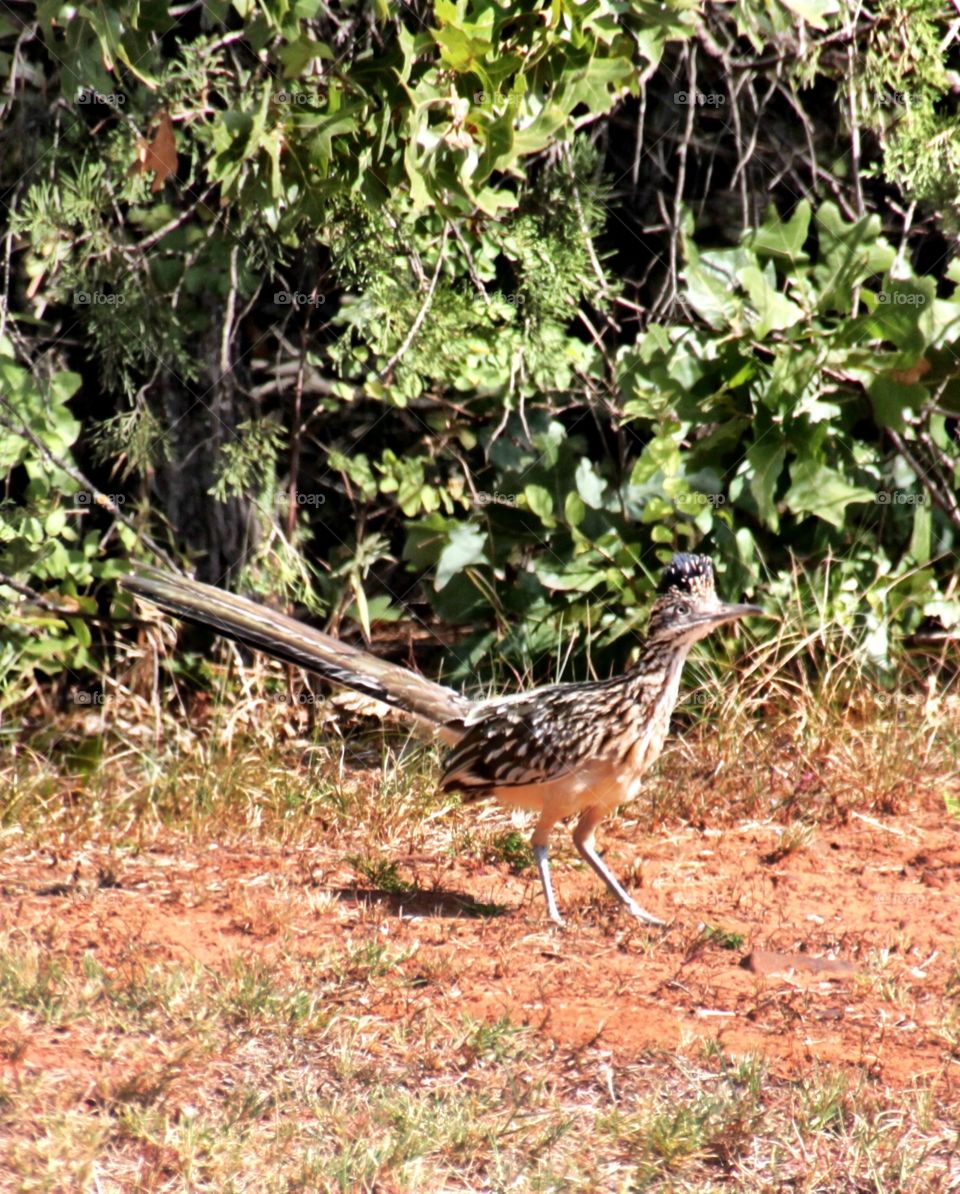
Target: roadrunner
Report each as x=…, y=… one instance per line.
x=561, y=750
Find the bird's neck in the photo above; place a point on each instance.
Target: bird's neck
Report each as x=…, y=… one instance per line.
x=650, y=692
x=656, y=677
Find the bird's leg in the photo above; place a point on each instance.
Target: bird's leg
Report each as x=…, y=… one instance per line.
x=583, y=840
x=540, y=844
x=543, y=866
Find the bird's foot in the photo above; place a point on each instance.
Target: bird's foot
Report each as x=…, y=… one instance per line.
x=643, y=915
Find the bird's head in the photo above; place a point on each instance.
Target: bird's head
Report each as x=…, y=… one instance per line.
x=687, y=607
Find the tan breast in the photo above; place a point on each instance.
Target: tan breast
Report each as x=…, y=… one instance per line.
x=602, y=783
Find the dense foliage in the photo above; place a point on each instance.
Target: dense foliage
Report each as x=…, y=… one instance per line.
x=476, y=310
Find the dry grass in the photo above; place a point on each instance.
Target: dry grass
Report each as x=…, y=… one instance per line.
x=330, y=1067
x=272, y=1077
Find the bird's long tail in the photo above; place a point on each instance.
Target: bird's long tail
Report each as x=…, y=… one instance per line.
x=286, y=639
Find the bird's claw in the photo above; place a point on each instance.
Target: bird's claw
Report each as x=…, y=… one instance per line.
x=644, y=916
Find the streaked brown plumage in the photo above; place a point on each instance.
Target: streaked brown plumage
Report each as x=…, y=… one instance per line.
x=560, y=750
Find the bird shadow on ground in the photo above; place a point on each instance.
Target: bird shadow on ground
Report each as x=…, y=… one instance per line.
x=418, y=901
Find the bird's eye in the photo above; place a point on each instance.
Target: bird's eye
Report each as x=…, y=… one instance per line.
x=681, y=609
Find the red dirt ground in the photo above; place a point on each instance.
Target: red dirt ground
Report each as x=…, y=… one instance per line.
x=879, y=894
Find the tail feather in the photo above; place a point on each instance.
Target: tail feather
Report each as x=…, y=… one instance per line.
x=293, y=642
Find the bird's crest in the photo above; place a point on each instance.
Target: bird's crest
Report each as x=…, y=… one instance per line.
x=688, y=574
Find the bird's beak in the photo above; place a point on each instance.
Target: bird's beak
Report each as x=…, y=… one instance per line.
x=728, y=612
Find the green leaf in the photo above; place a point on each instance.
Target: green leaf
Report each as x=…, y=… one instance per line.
x=891, y=399
x=903, y=314
x=297, y=55
x=357, y=468
x=574, y=511
x=590, y=485
x=774, y=311
x=822, y=491
x=580, y=575
x=499, y=135
x=921, y=539
x=850, y=253
x=783, y=240
x=540, y=132
x=659, y=24
x=81, y=631
x=814, y=12
x=947, y=611
x=494, y=202
x=766, y=458
x=598, y=85
x=540, y=501
x=55, y=522
x=341, y=124
x=712, y=284
x=64, y=385
x=465, y=546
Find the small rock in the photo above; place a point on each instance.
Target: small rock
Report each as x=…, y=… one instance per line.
x=768, y=961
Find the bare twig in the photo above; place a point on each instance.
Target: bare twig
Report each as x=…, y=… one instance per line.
x=172, y=225
x=940, y=495
x=39, y=600
x=424, y=308
x=228, y=317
